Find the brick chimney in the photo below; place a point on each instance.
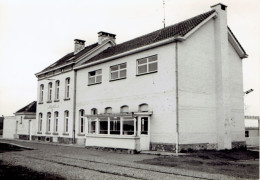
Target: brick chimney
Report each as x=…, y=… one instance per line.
x=79, y=45
x=102, y=36
x=223, y=100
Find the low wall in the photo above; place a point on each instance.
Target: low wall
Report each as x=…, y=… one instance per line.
x=252, y=141
x=121, y=142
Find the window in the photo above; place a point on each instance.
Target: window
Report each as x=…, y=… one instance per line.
x=66, y=123
x=246, y=133
x=115, y=125
x=49, y=91
x=124, y=109
x=94, y=111
x=144, y=125
x=103, y=126
x=67, y=88
x=108, y=110
x=118, y=71
x=95, y=77
x=57, y=90
x=128, y=126
x=41, y=92
x=48, y=122
x=147, y=65
x=40, y=122
x=92, y=126
x=143, y=108
x=56, y=121
x=81, y=121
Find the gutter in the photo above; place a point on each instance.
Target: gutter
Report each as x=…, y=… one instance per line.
x=177, y=99
x=174, y=39
x=74, y=108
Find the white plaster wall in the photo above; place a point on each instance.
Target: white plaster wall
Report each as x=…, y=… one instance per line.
x=9, y=129
x=156, y=89
x=60, y=106
x=197, y=105
x=236, y=94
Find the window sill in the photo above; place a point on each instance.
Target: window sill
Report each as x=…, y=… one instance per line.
x=147, y=73
x=50, y=101
x=66, y=99
x=55, y=133
x=65, y=134
x=81, y=134
x=113, y=136
x=94, y=83
x=47, y=132
x=117, y=79
x=56, y=100
x=39, y=132
x=40, y=102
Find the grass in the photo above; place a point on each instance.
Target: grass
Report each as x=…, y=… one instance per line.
x=236, y=163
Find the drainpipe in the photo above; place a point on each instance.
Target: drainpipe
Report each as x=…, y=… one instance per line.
x=74, y=107
x=177, y=99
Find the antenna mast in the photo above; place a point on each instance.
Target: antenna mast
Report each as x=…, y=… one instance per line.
x=163, y=13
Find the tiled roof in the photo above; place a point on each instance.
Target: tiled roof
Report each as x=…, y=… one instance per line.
x=29, y=108
x=179, y=29
x=70, y=57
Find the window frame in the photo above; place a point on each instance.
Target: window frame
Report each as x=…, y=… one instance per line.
x=107, y=109
x=49, y=91
x=56, y=122
x=40, y=123
x=57, y=90
x=118, y=71
x=41, y=93
x=95, y=77
x=67, y=88
x=48, y=123
x=66, y=121
x=122, y=109
x=147, y=65
x=94, y=111
x=81, y=121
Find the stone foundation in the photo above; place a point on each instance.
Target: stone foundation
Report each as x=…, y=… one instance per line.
x=65, y=140
x=23, y=137
x=182, y=147
x=117, y=150
x=239, y=145
x=81, y=141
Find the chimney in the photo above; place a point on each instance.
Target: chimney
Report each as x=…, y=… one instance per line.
x=223, y=104
x=102, y=36
x=79, y=45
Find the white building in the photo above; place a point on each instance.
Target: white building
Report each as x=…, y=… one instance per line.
x=177, y=87
x=252, y=130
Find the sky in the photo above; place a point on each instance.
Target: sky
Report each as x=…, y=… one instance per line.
x=34, y=34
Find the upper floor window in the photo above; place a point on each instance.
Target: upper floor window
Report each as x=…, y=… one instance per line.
x=147, y=65
x=118, y=71
x=49, y=91
x=124, y=109
x=94, y=111
x=40, y=123
x=57, y=90
x=143, y=108
x=95, y=77
x=81, y=121
x=67, y=88
x=108, y=110
x=41, y=92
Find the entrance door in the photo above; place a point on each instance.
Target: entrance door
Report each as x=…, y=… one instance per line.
x=144, y=124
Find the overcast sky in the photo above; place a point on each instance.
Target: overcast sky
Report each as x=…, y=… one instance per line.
x=34, y=34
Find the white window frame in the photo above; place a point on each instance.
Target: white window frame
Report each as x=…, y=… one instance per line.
x=67, y=88
x=95, y=77
x=40, y=123
x=108, y=110
x=66, y=121
x=56, y=121
x=57, y=90
x=119, y=69
x=81, y=121
x=41, y=93
x=49, y=91
x=146, y=64
x=48, y=127
x=94, y=111
x=123, y=107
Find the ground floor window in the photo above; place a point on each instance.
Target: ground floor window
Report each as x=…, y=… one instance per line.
x=66, y=119
x=128, y=126
x=56, y=119
x=48, y=122
x=40, y=123
x=144, y=125
x=115, y=125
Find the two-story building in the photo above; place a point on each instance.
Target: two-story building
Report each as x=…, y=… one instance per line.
x=176, y=88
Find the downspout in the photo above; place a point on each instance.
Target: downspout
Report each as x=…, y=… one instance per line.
x=74, y=107
x=177, y=98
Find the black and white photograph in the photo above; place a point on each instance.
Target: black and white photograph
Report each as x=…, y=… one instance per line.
x=130, y=89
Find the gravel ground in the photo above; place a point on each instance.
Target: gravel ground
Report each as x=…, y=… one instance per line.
x=79, y=163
